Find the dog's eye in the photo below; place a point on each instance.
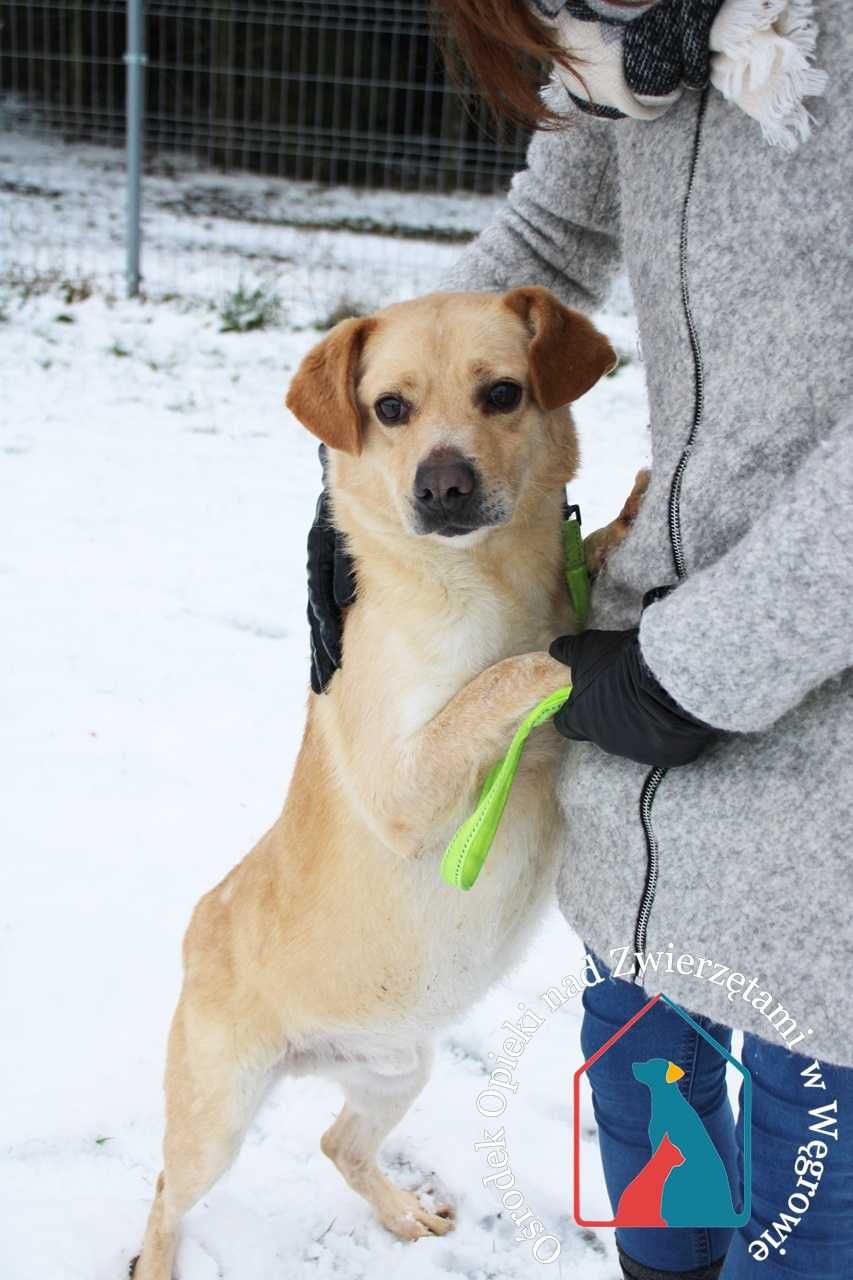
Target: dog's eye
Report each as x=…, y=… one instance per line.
x=503, y=397
x=392, y=410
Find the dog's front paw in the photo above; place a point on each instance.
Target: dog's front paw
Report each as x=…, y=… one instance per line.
x=539, y=676
x=602, y=541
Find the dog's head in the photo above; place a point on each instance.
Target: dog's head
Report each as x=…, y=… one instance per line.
x=445, y=414
x=656, y=1072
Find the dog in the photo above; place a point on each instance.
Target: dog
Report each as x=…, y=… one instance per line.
x=697, y=1192
x=335, y=947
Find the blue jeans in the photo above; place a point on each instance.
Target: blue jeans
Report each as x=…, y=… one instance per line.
x=820, y=1247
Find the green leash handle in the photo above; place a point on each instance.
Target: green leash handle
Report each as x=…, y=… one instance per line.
x=464, y=856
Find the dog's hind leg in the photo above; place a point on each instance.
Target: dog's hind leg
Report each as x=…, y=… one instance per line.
x=377, y=1098
x=211, y=1096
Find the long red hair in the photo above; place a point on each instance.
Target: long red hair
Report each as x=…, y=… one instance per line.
x=505, y=47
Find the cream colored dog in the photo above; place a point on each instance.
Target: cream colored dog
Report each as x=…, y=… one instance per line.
x=335, y=947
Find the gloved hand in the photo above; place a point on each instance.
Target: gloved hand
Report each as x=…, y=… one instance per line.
x=331, y=587
x=618, y=704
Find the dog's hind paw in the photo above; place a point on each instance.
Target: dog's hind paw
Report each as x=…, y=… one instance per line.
x=405, y=1216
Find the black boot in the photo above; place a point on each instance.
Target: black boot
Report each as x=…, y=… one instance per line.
x=632, y=1270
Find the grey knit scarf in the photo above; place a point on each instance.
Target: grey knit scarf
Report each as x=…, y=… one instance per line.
x=636, y=60
x=664, y=45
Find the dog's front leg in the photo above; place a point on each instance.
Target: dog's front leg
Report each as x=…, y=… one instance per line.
x=445, y=761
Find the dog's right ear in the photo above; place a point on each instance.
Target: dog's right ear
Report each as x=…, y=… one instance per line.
x=322, y=394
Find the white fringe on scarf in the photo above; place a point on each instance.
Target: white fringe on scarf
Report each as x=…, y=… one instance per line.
x=762, y=53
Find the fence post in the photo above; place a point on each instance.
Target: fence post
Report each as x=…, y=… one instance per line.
x=135, y=61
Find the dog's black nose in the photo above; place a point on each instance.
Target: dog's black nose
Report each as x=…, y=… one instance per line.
x=444, y=484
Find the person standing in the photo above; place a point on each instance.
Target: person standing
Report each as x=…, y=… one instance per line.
x=706, y=146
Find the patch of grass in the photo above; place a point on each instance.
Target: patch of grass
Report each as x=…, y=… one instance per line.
x=76, y=290
x=118, y=348
x=161, y=364
x=186, y=405
x=346, y=308
x=26, y=285
x=245, y=309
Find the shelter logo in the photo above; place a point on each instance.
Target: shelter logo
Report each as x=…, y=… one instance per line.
x=684, y=1182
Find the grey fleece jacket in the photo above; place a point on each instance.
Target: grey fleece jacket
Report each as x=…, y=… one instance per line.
x=751, y=846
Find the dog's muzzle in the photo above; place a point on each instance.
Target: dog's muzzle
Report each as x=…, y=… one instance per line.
x=448, y=496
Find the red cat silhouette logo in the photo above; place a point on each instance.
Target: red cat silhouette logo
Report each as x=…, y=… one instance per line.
x=684, y=1182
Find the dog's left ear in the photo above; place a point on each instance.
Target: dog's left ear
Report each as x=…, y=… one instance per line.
x=567, y=355
x=322, y=394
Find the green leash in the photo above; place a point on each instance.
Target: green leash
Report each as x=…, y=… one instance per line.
x=467, y=852
x=577, y=578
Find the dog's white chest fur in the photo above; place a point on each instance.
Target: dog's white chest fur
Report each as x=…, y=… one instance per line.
x=471, y=633
x=473, y=936
x=467, y=938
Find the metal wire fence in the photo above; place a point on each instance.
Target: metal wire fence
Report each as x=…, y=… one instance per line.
x=307, y=95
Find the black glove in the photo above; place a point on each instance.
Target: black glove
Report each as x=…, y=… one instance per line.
x=618, y=704
x=331, y=587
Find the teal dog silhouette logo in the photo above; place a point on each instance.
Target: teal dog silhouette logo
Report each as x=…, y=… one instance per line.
x=683, y=1182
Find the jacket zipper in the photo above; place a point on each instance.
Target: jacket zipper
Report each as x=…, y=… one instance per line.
x=647, y=797
x=656, y=775
x=698, y=363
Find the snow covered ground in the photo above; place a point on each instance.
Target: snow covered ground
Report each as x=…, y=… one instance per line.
x=156, y=498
